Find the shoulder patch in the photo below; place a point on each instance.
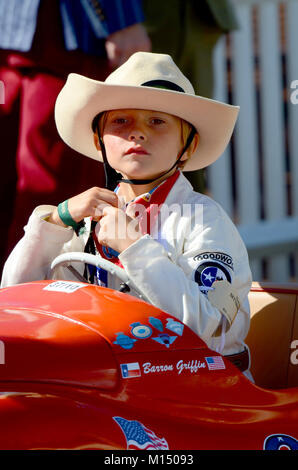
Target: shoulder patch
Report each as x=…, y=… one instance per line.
x=209, y=272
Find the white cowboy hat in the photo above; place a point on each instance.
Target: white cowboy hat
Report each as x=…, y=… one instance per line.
x=145, y=81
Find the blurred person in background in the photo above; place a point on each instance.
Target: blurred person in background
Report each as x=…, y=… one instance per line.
x=188, y=30
x=41, y=42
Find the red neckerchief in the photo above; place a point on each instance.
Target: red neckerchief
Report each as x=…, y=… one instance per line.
x=152, y=203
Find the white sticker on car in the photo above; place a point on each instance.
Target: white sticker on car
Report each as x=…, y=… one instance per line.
x=64, y=286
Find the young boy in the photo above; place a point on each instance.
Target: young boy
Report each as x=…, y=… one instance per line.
x=145, y=123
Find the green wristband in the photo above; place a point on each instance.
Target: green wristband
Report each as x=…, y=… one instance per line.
x=65, y=216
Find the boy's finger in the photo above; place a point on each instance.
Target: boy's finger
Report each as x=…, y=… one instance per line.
x=99, y=210
x=108, y=209
x=109, y=197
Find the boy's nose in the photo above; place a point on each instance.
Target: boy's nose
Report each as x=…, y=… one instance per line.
x=137, y=134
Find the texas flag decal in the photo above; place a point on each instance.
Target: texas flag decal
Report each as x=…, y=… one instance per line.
x=132, y=369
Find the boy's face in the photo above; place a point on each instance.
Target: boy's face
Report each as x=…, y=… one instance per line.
x=141, y=143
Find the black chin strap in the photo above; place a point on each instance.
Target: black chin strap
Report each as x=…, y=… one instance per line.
x=113, y=177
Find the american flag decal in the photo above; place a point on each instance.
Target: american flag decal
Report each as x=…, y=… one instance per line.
x=215, y=362
x=139, y=437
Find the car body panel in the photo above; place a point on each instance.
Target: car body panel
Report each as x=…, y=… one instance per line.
x=85, y=367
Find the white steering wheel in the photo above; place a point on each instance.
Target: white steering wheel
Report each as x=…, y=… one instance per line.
x=79, y=257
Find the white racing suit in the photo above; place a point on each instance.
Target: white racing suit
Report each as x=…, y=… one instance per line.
x=174, y=266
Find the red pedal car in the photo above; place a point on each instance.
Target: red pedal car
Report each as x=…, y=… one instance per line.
x=86, y=367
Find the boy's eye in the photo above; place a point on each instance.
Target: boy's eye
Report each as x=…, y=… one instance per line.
x=120, y=120
x=157, y=121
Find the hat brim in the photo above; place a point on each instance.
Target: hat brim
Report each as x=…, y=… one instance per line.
x=82, y=98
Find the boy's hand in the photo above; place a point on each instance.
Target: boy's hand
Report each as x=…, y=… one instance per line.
x=116, y=229
x=90, y=203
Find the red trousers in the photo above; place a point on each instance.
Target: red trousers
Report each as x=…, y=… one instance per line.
x=37, y=167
